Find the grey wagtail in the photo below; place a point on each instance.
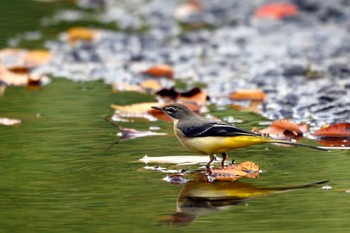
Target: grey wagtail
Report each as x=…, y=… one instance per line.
x=211, y=137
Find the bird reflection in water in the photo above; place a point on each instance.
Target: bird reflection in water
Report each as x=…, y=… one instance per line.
x=199, y=197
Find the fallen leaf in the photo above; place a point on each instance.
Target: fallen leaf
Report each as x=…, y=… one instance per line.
x=161, y=70
x=125, y=87
x=128, y=133
x=81, y=34
x=138, y=110
x=194, y=96
x=283, y=128
x=20, y=79
x=276, y=10
x=150, y=84
x=36, y=57
x=236, y=171
x=248, y=95
x=335, y=130
x=9, y=121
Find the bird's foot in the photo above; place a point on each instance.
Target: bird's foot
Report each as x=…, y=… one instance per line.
x=208, y=170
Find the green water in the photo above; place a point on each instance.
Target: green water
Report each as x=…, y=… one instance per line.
x=56, y=176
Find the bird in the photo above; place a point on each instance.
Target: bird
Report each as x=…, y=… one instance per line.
x=205, y=136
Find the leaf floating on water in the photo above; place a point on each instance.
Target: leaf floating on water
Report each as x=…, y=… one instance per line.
x=128, y=133
x=139, y=110
x=9, y=121
x=341, y=130
x=283, y=128
x=336, y=135
x=234, y=172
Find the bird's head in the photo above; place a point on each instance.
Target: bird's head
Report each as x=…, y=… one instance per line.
x=175, y=111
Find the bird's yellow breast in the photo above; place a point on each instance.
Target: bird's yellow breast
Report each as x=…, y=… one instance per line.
x=216, y=145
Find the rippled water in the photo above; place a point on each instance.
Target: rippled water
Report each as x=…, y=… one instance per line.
x=57, y=177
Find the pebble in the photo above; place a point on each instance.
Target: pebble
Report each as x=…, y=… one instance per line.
x=232, y=51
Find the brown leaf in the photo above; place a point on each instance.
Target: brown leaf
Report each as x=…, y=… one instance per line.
x=236, y=171
x=195, y=96
x=335, y=130
x=161, y=70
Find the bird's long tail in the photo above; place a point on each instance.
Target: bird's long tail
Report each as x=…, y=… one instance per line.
x=297, y=144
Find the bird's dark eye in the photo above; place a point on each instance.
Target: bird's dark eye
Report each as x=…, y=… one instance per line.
x=170, y=109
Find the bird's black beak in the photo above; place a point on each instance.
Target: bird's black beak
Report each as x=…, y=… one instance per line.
x=157, y=108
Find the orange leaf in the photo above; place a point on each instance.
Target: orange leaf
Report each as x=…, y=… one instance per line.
x=335, y=130
x=248, y=95
x=276, y=10
x=81, y=33
x=150, y=84
x=284, y=128
x=161, y=70
x=296, y=129
x=236, y=171
x=37, y=57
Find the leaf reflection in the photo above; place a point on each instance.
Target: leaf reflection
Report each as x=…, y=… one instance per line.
x=199, y=197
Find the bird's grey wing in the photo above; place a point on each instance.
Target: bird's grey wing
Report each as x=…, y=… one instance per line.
x=216, y=129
